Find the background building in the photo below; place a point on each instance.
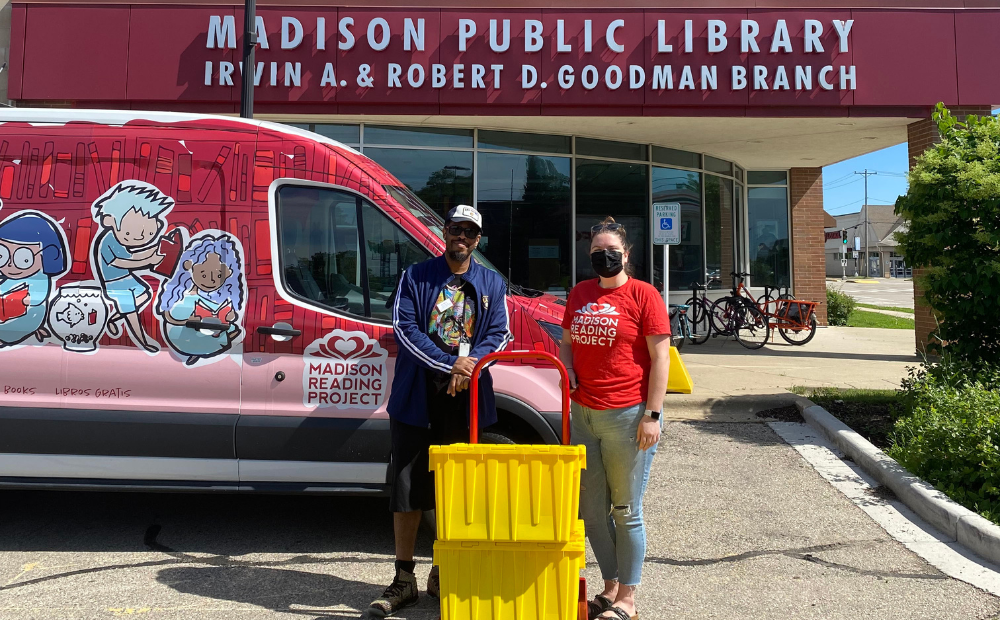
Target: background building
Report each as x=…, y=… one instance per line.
x=883, y=261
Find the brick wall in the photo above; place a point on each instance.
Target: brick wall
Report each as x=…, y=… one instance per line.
x=920, y=136
x=805, y=189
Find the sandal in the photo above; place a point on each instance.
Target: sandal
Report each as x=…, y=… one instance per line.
x=598, y=606
x=621, y=613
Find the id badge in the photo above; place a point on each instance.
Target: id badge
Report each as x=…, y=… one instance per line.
x=463, y=349
x=444, y=305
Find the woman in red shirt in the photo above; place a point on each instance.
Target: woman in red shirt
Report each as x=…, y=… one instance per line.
x=616, y=347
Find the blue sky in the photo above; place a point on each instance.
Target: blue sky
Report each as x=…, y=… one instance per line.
x=844, y=191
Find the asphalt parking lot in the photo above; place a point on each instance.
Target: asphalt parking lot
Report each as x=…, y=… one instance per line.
x=740, y=526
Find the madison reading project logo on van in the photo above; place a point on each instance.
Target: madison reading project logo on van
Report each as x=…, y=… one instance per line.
x=344, y=370
x=595, y=324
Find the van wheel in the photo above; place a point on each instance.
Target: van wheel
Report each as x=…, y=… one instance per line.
x=495, y=437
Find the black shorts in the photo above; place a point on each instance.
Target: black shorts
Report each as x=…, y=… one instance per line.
x=412, y=482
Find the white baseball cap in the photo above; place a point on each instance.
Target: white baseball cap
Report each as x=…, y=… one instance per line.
x=465, y=213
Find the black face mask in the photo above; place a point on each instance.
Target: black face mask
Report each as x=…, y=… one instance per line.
x=607, y=263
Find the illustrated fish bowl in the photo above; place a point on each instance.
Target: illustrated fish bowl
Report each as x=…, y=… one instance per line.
x=77, y=317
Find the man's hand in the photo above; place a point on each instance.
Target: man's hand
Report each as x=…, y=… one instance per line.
x=458, y=384
x=156, y=259
x=463, y=366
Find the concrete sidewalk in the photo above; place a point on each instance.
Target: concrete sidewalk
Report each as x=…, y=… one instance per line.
x=732, y=382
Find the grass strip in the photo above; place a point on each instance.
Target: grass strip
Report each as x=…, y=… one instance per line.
x=861, y=318
x=893, y=308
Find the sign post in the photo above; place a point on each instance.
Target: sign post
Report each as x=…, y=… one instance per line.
x=666, y=231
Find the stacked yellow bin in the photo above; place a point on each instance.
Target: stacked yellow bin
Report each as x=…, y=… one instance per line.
x=509, y=543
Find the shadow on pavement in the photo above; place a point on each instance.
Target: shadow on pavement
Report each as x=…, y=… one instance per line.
x=221, y=525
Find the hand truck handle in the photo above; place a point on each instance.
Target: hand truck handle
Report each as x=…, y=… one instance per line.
x=516, y=355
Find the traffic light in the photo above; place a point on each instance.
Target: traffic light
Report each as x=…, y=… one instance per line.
x=843, y=237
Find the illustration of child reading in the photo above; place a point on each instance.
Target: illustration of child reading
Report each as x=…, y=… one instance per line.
x=32, y=255
x=209, y=288
x=132, y=216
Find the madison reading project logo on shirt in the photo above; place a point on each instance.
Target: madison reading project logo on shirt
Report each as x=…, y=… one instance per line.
x=344, y=370
x=595, y=324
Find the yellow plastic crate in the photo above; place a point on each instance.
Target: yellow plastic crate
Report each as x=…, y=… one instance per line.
x=507, y=493
x=510, y=581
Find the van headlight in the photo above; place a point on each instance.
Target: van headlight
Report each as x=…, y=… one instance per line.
x=553, y=330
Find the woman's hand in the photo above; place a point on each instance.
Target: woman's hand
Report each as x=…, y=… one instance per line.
x=648, y=434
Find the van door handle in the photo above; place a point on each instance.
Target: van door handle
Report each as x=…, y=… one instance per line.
x=281, y=330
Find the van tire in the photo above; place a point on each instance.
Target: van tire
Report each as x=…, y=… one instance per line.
x=495, y=437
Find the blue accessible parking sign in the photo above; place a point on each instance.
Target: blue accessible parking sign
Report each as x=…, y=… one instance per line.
x=668, y=215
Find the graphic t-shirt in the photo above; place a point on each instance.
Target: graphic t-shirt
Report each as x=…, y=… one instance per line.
x=609, y=329
x=453, y=317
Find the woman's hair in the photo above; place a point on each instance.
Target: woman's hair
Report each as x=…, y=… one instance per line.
x=35, y=228
x=181, y=282
x=609, y=226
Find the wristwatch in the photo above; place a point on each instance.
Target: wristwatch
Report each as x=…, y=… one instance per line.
x=653, y=414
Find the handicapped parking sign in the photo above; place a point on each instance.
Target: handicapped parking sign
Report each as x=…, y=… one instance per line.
x=668, y=214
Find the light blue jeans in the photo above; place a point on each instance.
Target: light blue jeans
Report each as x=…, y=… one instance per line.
x=612, y=486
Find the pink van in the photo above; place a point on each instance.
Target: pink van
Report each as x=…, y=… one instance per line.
x=195, y=302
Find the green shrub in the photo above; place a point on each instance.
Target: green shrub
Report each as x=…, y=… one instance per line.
x=838, y=307
x=953, y=210
x=950, y=431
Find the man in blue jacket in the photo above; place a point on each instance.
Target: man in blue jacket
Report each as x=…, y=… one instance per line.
x=449, y=313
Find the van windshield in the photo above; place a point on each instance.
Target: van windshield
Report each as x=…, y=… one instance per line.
x=429, y=218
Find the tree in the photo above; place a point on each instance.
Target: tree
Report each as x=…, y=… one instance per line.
x=953, y=210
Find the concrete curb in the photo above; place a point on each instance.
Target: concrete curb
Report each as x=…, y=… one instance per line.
x=959, y=523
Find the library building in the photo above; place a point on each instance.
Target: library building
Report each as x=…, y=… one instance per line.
x=548, y=116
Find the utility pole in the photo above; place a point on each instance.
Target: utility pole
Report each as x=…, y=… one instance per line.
x=866, y=174
x=249, y=66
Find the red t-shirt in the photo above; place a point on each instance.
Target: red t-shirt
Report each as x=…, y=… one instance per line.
x=609, y=329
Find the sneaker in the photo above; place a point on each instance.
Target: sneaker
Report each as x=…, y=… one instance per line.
x=401, y=593
x=434, y=583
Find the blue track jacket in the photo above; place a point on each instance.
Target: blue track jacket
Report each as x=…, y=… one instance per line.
x=419, y=287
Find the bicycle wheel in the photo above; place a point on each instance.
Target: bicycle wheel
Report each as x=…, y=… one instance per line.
x=752, y=327
x=799, y=336
x=675, y=328
x=699, y=320
x=721, y=315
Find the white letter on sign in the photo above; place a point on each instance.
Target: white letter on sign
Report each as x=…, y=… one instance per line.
x=495, y=45
x=466, y=30
x=565, y=76
x=748, y=36
x=613, y=45
x=662, y=47
x=378, y=22
x=413, y=35
x=716, y=36
x=739, y=77
x=526, y=81
x=220, y=28
x=843, y=30
x=291, y=33
x=814, y=30
x=532, y=35
x=345, y=31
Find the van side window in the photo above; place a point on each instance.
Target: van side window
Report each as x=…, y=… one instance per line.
x=320, y=258
x=390, y=252
x=318, y=241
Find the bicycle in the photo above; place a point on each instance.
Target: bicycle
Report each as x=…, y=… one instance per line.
x=699, y=314
x=680, y=328
x=739, y=315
